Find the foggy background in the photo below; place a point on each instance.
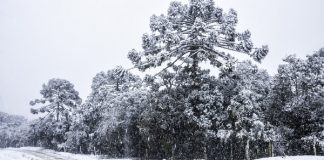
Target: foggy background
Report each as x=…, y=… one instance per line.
x=75, y=39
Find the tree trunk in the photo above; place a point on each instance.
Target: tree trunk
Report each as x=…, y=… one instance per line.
x=148, y=148
x=117, y=86
x=247, y=148
x=57, y=112
x=126, y=143
x=194, y=70
x=314, y=145
x=270, y=149
x=205, y=151
x=231, y=150
x=174, y=146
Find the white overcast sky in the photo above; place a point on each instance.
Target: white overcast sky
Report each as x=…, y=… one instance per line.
x=75, y=39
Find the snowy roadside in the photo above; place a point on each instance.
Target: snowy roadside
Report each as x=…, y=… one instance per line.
x=37, y=153
x=295, y=158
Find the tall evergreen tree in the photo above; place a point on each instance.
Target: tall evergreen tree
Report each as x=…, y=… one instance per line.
x=192, y=33
x=59, y=99
x=179, y=41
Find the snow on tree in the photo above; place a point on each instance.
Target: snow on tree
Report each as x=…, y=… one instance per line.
x=178, y=116
x=244, y=88
x=59, y=99
x=109, y=111
x=179, y=41
x=298, y=87
x=105, y=87
x=192, y=33
x=13, y=131
x=184, y=112
x=106, y=84
x=77, y=138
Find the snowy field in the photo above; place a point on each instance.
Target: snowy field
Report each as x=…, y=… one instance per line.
x=35, y=153
x=295, y=158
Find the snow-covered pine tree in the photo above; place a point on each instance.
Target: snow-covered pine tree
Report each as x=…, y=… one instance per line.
x=59, y=99
x=244, y=87
x=109, y=110
x=192, y=33
x=179, y=41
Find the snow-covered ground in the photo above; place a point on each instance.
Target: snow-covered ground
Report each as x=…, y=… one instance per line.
x=36, y=153
x=295, y=158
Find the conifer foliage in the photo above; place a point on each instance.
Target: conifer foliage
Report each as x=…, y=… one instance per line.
x=59, y=99
x=191, y=33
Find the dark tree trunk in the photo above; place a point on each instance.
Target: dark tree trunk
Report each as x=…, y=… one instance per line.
x=270, y=149
x=117, y=86
x=57, y=112
x=314, y=145
x=231, y=150
x=247, y=149
x=205, y=150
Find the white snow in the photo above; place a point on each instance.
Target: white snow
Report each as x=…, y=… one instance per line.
x=37, y=153
x=295, y=158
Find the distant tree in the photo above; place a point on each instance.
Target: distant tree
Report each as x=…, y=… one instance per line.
x=13, y=131
x=59, y=99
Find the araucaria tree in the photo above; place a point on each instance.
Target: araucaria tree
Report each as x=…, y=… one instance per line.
x=179, y=41
x=191, y=34
x=59, y=99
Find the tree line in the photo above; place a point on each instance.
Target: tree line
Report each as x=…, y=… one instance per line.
x=184, y=111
